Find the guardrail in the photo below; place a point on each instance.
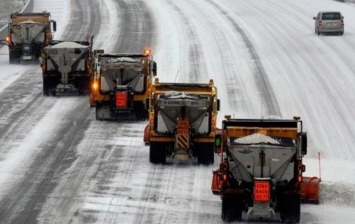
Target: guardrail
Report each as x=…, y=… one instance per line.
x=27, y=8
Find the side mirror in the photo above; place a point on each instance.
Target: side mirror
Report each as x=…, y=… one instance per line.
x=154, y=68
x=303, y=141
x=54, y=25
x=314, y=18
x=218, y=104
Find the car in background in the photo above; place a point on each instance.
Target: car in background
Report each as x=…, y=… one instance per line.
x=329, y=22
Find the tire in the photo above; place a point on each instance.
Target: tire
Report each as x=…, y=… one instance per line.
x=290, y=209
x=45, y=87
x=226, y=215
x=157, y=153
x=140, y=112
x=13, y=59
x=103, y=112
x=231, y=208
x=205, y=153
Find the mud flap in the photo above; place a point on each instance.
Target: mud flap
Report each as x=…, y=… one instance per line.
x=91, y=99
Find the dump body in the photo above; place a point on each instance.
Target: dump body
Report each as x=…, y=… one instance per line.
x=261, y=171
x=120, y=84
x=28, y=34
x=182, y=121
x=66, y=67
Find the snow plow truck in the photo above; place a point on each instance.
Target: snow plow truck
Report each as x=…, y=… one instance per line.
x=120, y=84
x=66, y=67
x=28, y=34
x=182, y=121
x=261, y=169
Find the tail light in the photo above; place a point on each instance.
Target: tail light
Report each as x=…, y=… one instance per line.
x=299, y=179
x=320, y=23
x=8, y=40
x=342, y=23
x=225, y=176
x=43, y=67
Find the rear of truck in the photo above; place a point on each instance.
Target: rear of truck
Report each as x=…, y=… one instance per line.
x=120, y=85
x=66, y=67
x=261, y=168
x=182, y=121
x=28, y=34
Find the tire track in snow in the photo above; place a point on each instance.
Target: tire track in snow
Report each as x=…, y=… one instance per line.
x=266, y=93
x=83, y=21
x=137, y=29
x=197, y=66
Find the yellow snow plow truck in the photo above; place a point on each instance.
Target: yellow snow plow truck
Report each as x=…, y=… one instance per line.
x=182, y=121
x=120, y=84
x=28, y=34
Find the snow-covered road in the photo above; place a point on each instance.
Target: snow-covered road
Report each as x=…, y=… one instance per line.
x=59, y=165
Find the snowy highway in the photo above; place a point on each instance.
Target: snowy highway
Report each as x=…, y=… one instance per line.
x=58, y=164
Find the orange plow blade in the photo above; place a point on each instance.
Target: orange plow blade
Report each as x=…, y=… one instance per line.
x=310, y=190
x=216, y=183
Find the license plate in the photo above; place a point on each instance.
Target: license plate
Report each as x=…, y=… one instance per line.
x=26, y=57
x=262, y=191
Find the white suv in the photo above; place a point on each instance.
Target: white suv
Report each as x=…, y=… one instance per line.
x=329, y=22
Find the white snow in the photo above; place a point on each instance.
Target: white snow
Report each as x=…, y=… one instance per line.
x=67, y=44
x=256, y=138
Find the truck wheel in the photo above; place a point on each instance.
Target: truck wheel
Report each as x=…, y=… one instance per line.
x=157, y=153
x=226, y=208
x=290, y=209
x=103, y=112
x=205, y=153
x=211, y=153
x=140, y=112
x=231, y=208
x=13, y=59
x=83, y=85
x=45, y=87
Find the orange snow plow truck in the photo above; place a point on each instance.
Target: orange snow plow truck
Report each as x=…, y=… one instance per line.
x=120, y=84
x=261, y=169
x=182, y=121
